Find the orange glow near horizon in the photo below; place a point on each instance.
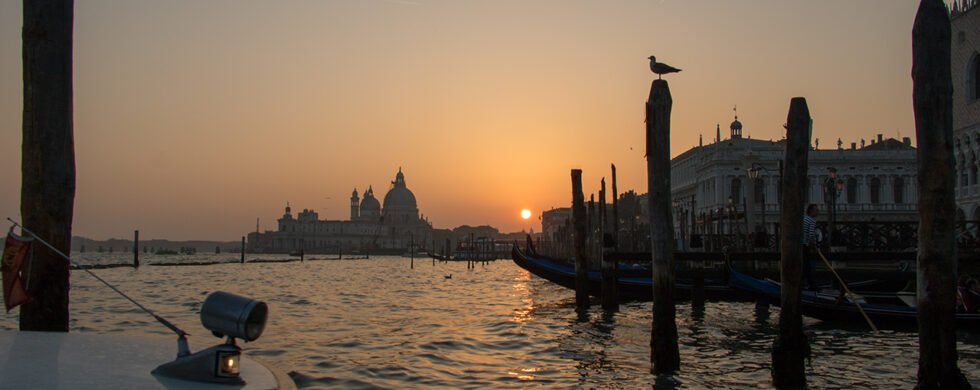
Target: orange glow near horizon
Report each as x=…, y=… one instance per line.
x=193, y=119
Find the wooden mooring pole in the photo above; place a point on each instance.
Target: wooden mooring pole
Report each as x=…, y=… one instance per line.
x=243, y=249
x=932, y=95
x=47, y=192
x=590, y=237
x=615, y=219
x=665, y=354
x=791, y=347
x=609, y=299
x=581, y=262
x=136, y=248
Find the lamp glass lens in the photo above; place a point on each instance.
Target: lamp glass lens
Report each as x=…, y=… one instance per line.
x=228, y=363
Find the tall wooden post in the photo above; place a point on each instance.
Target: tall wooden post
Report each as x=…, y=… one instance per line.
x=665, y=354
x=791, y=347
x=932, y=94
x=47, y=158
x=581, y=262
x=590, y=236
x=136, y=248
x=243, y=249
x=411, y=248
x=609, y=299
x=615, y=204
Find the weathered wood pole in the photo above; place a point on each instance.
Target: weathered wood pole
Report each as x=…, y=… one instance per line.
x=411, y=248
x=609, y=299
x=665, y=354
x=590, y=238
x=581, y=262
x=243, y=249
x=615, y=204
x=47, y=158
x=136, y=248
x=932, y=94
x=791, y=347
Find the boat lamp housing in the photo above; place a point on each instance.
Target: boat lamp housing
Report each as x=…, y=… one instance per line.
x=224, y=315
x=231, y=315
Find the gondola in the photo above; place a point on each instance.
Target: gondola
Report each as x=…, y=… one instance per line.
x=635, y=283
x=887, y=310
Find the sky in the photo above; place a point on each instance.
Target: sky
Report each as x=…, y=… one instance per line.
x=193, y=119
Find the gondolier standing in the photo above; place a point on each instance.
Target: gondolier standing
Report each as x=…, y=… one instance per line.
x=809, y=244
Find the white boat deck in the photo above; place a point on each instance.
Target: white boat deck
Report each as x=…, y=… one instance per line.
x=53, y=360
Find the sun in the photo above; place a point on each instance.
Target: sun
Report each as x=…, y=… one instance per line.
x=526, y=214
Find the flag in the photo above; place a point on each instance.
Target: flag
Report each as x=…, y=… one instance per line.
x=15, y=250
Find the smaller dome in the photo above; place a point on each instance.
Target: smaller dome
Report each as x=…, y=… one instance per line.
x=736, y=125
x=370, y=205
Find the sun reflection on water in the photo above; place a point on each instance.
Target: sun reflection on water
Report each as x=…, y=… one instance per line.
x=524, y=374
x=521, y=290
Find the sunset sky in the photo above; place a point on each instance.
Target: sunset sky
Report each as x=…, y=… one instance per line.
x=193, y=118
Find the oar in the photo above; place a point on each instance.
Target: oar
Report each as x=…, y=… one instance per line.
x=848, y=292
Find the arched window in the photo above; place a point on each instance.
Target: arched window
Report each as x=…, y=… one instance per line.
x=736, y=191
x=973, y=78
x=963, y=176
x=875, y=188
x=760, y=190
x=852, y=186
x=899, y=190
x=827, y=194
x=971, y=167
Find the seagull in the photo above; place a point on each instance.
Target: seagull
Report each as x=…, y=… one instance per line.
x=661, y=68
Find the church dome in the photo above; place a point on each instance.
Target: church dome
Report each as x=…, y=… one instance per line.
x=370, y=205
x=400, y=197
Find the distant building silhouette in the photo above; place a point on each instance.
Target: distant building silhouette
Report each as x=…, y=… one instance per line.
x=372, y=227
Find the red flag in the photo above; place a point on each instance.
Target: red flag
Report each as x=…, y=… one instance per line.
x=14, y=252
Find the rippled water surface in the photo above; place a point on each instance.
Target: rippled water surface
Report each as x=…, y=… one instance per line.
x=378, y=323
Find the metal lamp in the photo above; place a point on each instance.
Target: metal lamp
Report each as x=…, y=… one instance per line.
x=223, y=314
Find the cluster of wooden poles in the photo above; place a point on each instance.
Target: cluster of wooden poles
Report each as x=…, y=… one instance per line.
x=932, y=101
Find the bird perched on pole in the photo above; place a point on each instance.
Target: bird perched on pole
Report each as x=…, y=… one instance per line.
x=661, y=68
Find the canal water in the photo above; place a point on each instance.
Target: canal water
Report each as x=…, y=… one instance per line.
x=379, y=323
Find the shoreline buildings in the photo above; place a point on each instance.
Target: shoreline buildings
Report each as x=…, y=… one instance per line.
x=374, y=227
x=731, y=187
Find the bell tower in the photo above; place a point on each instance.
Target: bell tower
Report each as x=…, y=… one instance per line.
x=354, y=205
